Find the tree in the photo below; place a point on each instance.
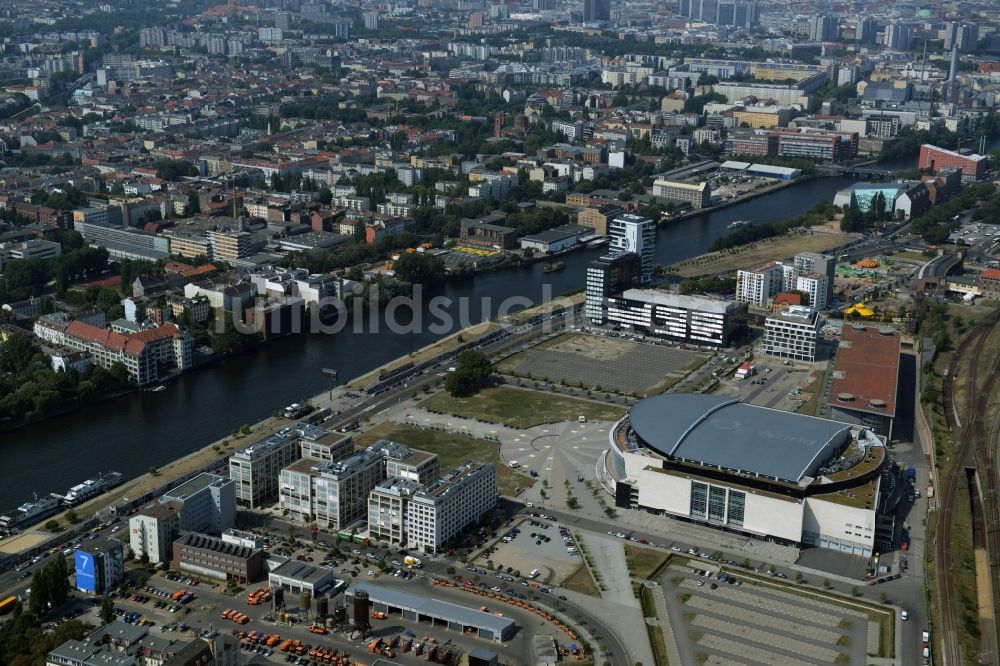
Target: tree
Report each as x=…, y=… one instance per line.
x=472, y=372
x=107, y=612
x=71, y=516
x=420, y=269
x=16, y=354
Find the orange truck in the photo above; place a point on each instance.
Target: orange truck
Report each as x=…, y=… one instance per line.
x=378, y=615
x=177, y=595
x=272, y=640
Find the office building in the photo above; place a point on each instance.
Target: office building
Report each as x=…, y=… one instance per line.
x=897, y=36
x=256, y=468
x=866, y=378
x=607, y=276
x=823, y=28
x=815, y=262
x=635, y=234
x=933, y=158
x=153, y=529
x=596, y=10
x=406, y=463
x=334, y=495
x=449, y=505
x=757, y=472
x=208, y=503
x=100, y=566
x=693, y=320
x=792, y=333
x=751, y=144
x=698, y=195
x=317, y=444
x=867, y=31
x=372, y=20
x=388, y=504
x=208, y=556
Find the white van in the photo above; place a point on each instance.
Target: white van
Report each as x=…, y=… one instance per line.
x=514, y=464
x=534, y=573
x=582, y=419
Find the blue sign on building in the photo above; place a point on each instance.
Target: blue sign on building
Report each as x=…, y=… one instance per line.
x=86, y=574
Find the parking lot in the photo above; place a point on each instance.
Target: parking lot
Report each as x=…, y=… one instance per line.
x=775, y=385
x=727, y=618
x=536, y=544
x=606, y=361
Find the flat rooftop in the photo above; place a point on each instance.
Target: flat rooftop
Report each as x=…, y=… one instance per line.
x=444, y=610
x=303, y=572
x=866, y=372
x=195, y=485
x=722, y=432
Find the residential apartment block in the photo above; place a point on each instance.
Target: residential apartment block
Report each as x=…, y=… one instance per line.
x=149, y=355
x=153, y=529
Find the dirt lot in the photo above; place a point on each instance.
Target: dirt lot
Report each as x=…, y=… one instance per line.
x=603, y=363
x=772, y=248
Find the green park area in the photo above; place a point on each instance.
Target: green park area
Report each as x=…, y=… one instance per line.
x=520, y=408
x=452, y=449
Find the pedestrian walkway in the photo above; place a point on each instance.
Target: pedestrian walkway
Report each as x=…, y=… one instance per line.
x=608, y=555
x=663, y=619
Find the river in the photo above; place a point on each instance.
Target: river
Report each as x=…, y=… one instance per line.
x=140, y=430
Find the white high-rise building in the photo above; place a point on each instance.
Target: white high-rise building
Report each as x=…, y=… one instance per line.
x=440, y=511
x=208, y=503
x=757, y=285
x=634, y=233
x=814, y=286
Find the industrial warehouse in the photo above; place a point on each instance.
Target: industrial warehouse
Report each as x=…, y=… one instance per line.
x=772, y=475
x=421, y=608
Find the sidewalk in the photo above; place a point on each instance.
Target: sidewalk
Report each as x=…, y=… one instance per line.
x=618, y=606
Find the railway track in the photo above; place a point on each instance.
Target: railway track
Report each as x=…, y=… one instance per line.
x=970, y=449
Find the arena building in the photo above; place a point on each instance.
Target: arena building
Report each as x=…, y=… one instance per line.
x=788, y=478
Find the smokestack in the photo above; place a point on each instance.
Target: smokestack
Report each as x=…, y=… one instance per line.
x=954, y=64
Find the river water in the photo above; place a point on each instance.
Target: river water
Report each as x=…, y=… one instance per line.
x=140, y=430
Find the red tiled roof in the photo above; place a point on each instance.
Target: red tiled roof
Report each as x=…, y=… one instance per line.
x=867, y=368
x=102, y=336
x=788, y=297
x=991, y=274
x=132, y=344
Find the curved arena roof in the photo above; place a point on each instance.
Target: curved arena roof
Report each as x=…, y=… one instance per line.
x=723, y=432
